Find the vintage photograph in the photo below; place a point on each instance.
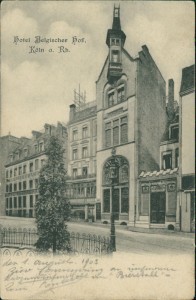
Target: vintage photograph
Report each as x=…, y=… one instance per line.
x=97, y=150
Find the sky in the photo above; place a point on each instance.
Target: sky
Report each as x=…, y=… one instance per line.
x=38, y=87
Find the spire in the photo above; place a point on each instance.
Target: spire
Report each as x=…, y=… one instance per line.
x=116, y=18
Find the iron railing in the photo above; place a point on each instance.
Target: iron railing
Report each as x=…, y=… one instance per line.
x=80, y=243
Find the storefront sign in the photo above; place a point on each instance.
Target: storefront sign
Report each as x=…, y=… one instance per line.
x=158, y=188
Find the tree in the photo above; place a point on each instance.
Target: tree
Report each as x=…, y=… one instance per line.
x=52, y=208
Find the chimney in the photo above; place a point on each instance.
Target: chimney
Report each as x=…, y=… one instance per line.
x=72, y=111
x=170, y=104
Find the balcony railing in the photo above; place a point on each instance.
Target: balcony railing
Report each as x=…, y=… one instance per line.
x=81, y=176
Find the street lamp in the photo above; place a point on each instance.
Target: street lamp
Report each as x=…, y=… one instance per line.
x=113, y=175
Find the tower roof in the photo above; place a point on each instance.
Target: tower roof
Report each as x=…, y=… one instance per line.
x=116, y=18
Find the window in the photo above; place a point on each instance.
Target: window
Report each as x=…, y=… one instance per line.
x=7, y=188
x=20, y=171
x=115, y=132
x=84, y=132
x=84, y=152
x=84, y=171
x=42, y=162
x=124, y=130
x=177, y=158
x=7, y=203
x=121, y=94
x=7, y=174
x=75, y=173
x=31, y=200
x=75, y=154
x=25, y=152
x=167, y=160
x=174, y=132
x=10, y=189
x=24, y=169
x=20, y=186
x=110, y=99
x=36, y=183
x=30, y=184
x=24, y=185
x=41, y=147
x=10, y=173
x=10, y=203
x=15, y=202
x=15, y=187
x=106, y=200
x=115, y=56
x=125, y=200
x=36, y=148
x=31, y=167
x=108, y=140
x=19, y=202
x=36, y=164
x=75, y=135
x=24, y=201
x=15, y=172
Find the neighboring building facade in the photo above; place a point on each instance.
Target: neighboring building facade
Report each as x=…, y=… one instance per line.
x=131, y=101
x=158, y=190
x=187, y=147
x=82, y=141
x=7, y=143
x=22, y=170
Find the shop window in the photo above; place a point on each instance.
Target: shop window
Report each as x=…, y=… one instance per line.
x=106, y=200
x=167, y=160
x=125, y=200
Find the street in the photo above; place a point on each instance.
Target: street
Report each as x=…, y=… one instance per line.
x=126, y=241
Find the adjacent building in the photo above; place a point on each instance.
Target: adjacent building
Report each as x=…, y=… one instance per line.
x=22, y=170
x=187, y=149
x=7, y=143
x=82, y=145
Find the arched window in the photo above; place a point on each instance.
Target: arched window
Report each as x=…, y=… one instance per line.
x=120, y=198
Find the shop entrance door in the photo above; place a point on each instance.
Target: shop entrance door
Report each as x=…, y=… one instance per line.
x=157, y=208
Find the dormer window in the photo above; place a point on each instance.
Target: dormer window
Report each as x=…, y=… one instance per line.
x=167, y=160
x=36, y=148
x=41, y=147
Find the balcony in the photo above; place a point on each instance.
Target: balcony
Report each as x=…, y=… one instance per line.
x=78, y=177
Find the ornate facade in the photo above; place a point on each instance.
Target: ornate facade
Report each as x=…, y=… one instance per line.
x=131, y=101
